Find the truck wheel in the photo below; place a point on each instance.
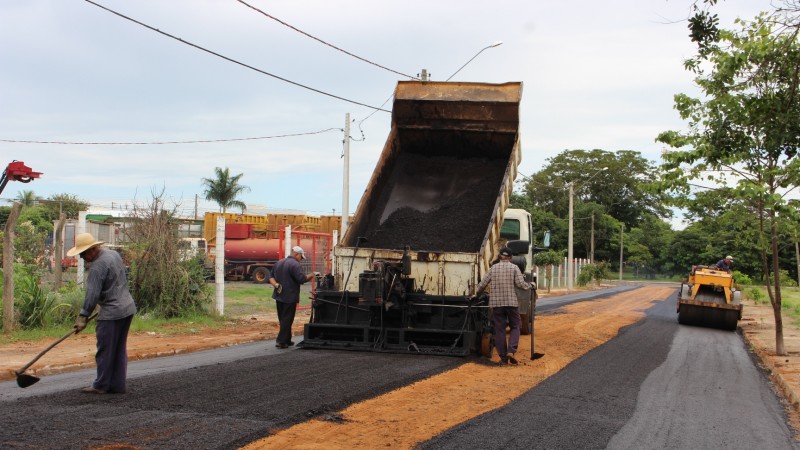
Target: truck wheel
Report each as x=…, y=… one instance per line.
x=260, y=275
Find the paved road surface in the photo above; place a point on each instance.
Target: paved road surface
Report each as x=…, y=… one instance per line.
x=658, y=385
x=625, y=394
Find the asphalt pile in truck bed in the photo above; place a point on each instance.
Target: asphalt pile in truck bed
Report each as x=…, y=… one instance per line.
x=440, y=204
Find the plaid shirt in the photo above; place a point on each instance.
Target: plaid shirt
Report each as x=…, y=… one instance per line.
x=503, y=276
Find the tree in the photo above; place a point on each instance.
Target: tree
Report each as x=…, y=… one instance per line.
x=26, y=198
x=743, y=133
x=620, y=189
x=224, y=189
x=69, y=204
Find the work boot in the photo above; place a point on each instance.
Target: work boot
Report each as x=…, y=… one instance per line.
x=92, y=390
x=511, y=360
x=503, y=360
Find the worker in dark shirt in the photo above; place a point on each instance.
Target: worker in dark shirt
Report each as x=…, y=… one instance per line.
x=726, y=264
x=286, y=278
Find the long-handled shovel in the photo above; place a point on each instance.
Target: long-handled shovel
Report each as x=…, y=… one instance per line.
x=24, y=380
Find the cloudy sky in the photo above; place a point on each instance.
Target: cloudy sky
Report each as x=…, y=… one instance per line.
x=596, y=74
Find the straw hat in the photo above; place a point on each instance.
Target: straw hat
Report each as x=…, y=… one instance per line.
x=83, y=242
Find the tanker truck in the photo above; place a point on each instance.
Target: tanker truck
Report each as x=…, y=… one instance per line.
x=428, y=227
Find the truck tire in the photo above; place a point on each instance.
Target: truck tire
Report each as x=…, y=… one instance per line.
x=260, y=275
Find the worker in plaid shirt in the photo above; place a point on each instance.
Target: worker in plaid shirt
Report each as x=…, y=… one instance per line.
x=504, y=276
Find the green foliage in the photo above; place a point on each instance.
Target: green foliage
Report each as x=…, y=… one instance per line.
x=548, y=258
x=69, y=204
x=598, y=271
x=29, y=245
x=757, y=295
x=224, y=189
x=35, y=306
x=161, y=282
x=742, y=279
x=785, y=279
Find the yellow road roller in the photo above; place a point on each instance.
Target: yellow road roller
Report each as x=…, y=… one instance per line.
x=709, y=299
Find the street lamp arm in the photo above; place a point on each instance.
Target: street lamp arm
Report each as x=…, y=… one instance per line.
x=476, y=55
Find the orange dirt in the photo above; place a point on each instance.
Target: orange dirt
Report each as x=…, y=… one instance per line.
x=393, y=419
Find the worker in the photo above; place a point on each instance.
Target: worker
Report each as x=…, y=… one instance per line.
x=106, y=286
x=504, y=276
x=726, y=264
x=286, y=278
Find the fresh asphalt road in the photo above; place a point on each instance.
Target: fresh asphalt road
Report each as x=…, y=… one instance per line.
x=656, y=385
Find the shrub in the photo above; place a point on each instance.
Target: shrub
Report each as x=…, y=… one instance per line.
x=756, y=295
x=742, y=279
x=35, y=305
x=597, y=272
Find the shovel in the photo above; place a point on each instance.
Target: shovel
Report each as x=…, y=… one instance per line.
x=24, y=380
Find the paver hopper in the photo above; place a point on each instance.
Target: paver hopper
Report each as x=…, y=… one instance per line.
x=708, y=299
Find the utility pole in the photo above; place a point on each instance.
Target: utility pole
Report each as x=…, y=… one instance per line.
x=621, y=237
x=569, y=237
x=195, y=206
x=346, y=177
x=591, y=251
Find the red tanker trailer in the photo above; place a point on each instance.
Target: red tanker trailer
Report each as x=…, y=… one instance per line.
x=251, y=256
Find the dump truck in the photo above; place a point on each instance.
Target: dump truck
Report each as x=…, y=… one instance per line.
x=428, y=226
x=708, y=298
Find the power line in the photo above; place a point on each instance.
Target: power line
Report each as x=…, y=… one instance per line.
x=325, y=43
x=231, y=59
x=203, y=141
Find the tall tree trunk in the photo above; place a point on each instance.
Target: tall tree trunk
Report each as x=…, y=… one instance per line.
x=8, y=269
x=780, y=349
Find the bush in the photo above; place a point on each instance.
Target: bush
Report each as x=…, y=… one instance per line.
x=742, y=279
x=597, y=271
x=756, y=295
x=35, y=306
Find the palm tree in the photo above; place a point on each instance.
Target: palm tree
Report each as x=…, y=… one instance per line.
x=27, y=198
x=224, y=189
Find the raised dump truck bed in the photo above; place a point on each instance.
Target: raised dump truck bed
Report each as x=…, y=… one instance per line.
x=428, y=225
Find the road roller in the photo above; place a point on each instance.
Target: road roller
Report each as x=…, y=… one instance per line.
x=708, y=298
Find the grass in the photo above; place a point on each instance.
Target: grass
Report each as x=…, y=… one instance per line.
x=790, y=301
x=242, y=299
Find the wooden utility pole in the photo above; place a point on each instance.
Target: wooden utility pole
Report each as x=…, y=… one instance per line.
x=59, y=249
x=8, y=268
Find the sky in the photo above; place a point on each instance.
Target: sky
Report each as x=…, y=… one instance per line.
x=595, y=74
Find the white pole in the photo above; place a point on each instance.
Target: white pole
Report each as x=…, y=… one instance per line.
x=621, y=237
x=569, y=239
x=332, y=254
x=287, y=243
x=219, y=265
x=346, y=176
x=80, y=228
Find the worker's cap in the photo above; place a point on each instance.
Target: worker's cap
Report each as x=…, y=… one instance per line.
x=505, y=251
x=83, y=242
x=729, y=257
x=299, y=250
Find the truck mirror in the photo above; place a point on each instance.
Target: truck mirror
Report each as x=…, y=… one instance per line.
x=546, y=239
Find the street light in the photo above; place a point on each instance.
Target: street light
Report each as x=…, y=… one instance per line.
x=495, y=44
x=571, y=220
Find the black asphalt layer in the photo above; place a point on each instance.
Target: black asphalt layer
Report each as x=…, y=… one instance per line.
x=212, y=406
x=588, y=403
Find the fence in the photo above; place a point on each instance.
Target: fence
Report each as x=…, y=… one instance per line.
x=559, y=274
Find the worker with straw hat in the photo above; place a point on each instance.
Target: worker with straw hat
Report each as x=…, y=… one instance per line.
x=106, y=286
